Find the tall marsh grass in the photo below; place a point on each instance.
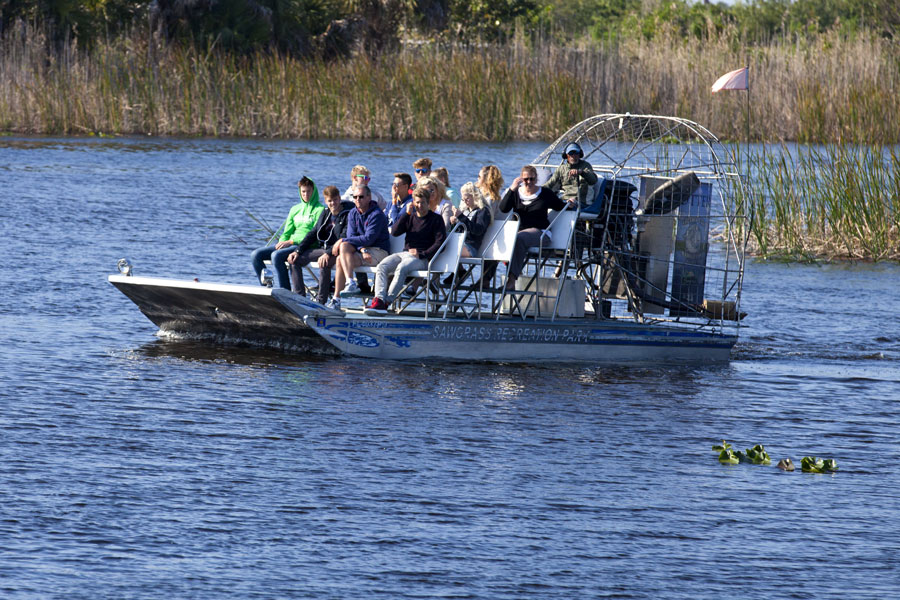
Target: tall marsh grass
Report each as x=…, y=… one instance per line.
x=839, y=201
x=826, y=90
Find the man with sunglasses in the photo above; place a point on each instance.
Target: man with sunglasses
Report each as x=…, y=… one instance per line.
x=367, y=242
x=574, y=178
x=360, y=175
x=400, y=197
x=423, y=168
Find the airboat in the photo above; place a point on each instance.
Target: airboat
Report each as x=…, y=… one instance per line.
x=650, y=268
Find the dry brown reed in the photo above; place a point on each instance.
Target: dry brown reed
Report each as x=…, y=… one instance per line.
x=830, y=89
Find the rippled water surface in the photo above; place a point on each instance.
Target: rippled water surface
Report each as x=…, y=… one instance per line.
x=133, y=467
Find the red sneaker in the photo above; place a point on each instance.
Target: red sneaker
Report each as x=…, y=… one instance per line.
x=376, y=306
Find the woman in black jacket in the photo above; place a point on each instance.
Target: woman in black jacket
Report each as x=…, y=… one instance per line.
x=317, y=245
x=531, y=203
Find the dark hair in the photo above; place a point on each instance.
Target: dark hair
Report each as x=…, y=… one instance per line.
x=306, y=181
x=404, y=177
x=529, y=169
x=421, y=192
x=331, y=191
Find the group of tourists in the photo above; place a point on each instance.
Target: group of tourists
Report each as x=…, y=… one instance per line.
x=344, y=232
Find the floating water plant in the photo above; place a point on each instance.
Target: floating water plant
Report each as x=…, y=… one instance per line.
x=728, y=457
x=811, y=464
x=756, y=455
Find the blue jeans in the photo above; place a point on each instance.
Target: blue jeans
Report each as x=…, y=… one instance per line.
x=277, y=257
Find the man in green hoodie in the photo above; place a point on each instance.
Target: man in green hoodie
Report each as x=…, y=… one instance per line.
x=300, y=221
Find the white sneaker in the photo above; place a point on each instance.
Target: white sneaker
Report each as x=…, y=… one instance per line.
x=334, y=304
x=352, y=288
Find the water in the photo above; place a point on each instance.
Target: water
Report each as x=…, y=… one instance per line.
x=141, y=468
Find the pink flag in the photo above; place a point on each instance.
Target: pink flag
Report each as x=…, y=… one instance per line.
x=735, y=80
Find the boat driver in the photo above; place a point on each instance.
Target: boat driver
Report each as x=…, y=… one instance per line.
x=574, y=178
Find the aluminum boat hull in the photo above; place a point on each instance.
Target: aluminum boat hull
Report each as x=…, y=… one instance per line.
x=277, y=318
x=250, y=314
x=509, y=340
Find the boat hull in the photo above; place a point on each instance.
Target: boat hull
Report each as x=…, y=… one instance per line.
x=567, y=341
x=221, y=312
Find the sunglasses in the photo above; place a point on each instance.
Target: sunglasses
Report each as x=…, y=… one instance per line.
x=360, y=196
x=422, y=170
x=362, y=176
x=527, y=179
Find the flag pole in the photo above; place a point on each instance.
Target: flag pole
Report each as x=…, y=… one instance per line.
x=748, y=122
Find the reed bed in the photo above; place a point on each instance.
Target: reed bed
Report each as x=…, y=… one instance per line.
x=828, y=89
x=833, y=202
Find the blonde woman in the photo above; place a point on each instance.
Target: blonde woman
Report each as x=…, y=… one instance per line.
x=443, y=175
x=475, y=215
x=489, y=183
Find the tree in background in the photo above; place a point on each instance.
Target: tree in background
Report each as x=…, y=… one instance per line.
x=340, y=27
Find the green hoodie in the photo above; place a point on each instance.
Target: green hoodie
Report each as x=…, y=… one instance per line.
x=302, y=218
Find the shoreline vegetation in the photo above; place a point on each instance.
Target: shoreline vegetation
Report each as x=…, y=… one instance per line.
x=831, y=88
x=824, y=79
x=837, y=202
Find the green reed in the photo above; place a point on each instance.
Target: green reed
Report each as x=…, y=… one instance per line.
x=838, y=201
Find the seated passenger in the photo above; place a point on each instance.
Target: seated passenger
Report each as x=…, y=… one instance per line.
x=442, y=175
x=531, y=203
x=360, y=175
x=300, y=221
x=367, y=243
x=422, y=168
x=574, y=178
x=489, y=183
x=400, y=197
x=318, y=244
x=425, y=233
x=475, y=216
x=438, y=201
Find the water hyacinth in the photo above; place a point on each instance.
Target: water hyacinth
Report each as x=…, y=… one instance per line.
x=811, y=464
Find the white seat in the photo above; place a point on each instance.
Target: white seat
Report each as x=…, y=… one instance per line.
x=497, y=245
x=555, y=243
x=445, y=261
x=558, y=236
x=397, y=243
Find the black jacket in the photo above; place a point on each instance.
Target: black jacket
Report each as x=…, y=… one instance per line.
x=534, y=214
x=476, y=226
x=328, y=229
